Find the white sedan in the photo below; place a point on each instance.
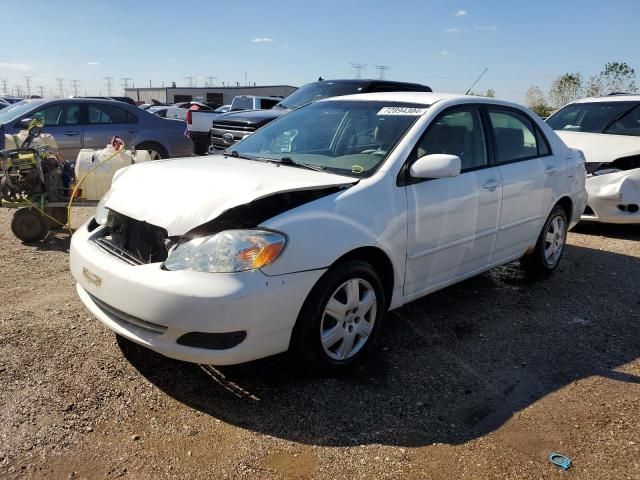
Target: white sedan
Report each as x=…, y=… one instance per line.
x=303, y=235
x=607, y=131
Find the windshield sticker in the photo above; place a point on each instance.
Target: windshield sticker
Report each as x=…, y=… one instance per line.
x=356, y=169
x=402, y=111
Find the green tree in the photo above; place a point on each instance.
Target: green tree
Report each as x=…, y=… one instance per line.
x=491, y=93
x=594, y=87
x=564, y=89
x=618, y=77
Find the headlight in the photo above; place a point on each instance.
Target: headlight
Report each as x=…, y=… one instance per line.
x=227, y=252
x=101, y=210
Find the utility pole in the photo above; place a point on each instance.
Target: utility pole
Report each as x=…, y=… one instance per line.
x=74, y=85
x=210, y=81
x=358, y=68
x=190, y=79
x=245, y=79
x=4, y=86
x=27, y=81
x=381, y=70
x=60, y=82
x=109, y=81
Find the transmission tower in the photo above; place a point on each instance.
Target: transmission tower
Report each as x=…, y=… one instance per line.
x=5, y=83
x=27, y=81
x=210, y=80
x=381, y=70
x=190, y=79
x=41, y=90
x=358, y=68
x=109, y=81
x=125, y=82
x=75, y=85
x=60, y=82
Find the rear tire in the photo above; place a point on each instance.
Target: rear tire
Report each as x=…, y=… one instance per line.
x=340, y=318
x=156, y=151
x=29, y=226
x=549, y=248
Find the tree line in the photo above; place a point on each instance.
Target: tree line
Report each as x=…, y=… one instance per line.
x=615, y=77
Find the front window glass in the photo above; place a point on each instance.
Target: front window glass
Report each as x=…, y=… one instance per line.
x=628, y=124
x=588, y=117
x=52, y=115
x=312, y=92
x=347, y=137
x=15, y=111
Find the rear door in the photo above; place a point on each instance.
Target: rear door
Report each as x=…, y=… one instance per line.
x=62, y=120
x=530, y=173
x=104, y=121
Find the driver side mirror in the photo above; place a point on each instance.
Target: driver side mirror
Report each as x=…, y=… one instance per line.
x=25, y=122
x=436, y=165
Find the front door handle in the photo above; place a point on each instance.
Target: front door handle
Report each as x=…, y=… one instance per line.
x=71, y=134
x=550, y=170
x=491, y=185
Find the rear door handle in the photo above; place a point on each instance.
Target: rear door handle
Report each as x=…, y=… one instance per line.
x=550, y=170
x=491, y=185
x=71, y=134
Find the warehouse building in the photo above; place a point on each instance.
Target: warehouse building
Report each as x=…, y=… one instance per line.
x=216, y=95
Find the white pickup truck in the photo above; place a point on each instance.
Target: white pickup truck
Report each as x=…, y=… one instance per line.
x=199, y=121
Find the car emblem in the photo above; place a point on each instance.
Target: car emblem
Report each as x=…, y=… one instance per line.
x=227, y=138
x=92, y=277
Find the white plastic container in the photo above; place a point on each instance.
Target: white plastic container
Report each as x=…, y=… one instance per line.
x=12, y=141
x=95, y=185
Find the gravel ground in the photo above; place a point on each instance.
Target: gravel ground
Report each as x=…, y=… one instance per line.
x=480, y=380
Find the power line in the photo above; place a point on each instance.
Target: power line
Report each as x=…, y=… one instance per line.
x=109, y=81
x=381, y=70
x=60, y=82
x=190, y=79
x=358, y=68
x=75, y=85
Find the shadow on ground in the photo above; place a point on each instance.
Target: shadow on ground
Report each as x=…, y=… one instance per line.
x=628, y=232
x=448, y=368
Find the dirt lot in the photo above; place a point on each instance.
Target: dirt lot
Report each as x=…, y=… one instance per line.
x=481, y=380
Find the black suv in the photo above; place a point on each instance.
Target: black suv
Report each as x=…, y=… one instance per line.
x=232, y=127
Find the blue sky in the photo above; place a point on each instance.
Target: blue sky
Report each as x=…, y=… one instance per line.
x=444, y=44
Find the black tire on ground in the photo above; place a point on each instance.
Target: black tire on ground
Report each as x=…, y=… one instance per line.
x=153, y=147
x=552, y=238
x=29, y=226
x=306, y=345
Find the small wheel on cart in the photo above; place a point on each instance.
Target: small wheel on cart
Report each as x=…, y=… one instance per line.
x=29, y=226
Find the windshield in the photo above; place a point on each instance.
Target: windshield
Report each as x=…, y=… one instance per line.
x=11, y=113
x=241, y=103
x=312, y=92
x=589, y=117
x=347, y=137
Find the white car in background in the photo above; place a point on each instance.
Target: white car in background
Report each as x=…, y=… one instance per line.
x=301, y=236
x=607, y=130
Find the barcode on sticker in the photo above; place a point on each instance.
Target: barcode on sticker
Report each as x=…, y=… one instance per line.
x=402, y=111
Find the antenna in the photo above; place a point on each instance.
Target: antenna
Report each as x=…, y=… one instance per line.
x=109, y=81
x=190, y=79
x=75, y=84
x=381, y=70
x=477, y=80
x=358, y=67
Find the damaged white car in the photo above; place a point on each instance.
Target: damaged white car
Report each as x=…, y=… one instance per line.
x=607, y=130
x=305, y=233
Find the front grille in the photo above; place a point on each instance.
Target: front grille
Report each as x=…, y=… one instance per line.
x=133, y=241
x=125, y=320
x=234, y=126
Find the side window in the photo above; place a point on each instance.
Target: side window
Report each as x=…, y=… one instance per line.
x=52, y=115
x=628, y=124
x=457, y=133
x=72, y=114
x=100, y=114
x=514, y=136
x=267, y=104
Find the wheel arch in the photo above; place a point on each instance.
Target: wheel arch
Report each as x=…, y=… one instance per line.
x=567, y=204
x=160, y=148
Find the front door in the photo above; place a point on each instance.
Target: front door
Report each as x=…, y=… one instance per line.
x=62, y=121
x=453, y=221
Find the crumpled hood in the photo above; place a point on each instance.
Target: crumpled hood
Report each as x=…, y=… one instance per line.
x=621, y=186
x=183, y=193
x=599, y=147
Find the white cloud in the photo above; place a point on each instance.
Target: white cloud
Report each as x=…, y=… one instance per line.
x=489, y=28
x=444, y=53
x=461, y=13
x=93, y=64
x=171, y=59
x=452, y=30
x=21, y=67
x=263, y=40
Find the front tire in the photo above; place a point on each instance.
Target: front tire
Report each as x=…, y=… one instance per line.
x=549, y=248
x=29, y=225
x=340, y=319
x=156, y=152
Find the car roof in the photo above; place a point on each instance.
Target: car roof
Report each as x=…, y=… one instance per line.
x=618, y=97
x=424, y=98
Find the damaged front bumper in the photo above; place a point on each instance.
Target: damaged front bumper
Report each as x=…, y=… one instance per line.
x=613, y=197
x=209, y=318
